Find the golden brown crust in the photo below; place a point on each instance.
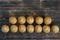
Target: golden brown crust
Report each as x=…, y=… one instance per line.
x=39, y=20
x=13, y=28
x=13, y=20
x=38, y=28
x=55, y=29
x=21, y=19
x=47, y=20
x=22, y=28
x=30, y=28
x=46, y=29
x=5, y=28
x=30, y=19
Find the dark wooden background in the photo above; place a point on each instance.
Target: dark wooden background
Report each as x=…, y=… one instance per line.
x=29, y=7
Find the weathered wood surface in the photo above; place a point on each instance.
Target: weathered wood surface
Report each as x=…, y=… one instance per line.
x=30, y=7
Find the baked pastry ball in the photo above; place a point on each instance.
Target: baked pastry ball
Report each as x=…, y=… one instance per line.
x=55, y=29
x=38, y=28
x=30, y=19
x=21, y=19
x=46, y=29
x=47, y=20
x=30, y=28
x=39, y=20
x=5, y=28
x=12, y=20
x=13, y=28
x=22, y=28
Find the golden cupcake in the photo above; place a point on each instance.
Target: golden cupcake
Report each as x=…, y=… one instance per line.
x=30, y=19
x=13, y=28
x=21, y=20
x=38, y=28
x=5, y=28
x=22, y=28
x=46, y=29
x=47, y=20
x=55, y=29
x=30, y=28
x=13, y=20
x=39, y=20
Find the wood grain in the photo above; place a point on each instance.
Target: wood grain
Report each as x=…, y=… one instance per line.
x=30, y=7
